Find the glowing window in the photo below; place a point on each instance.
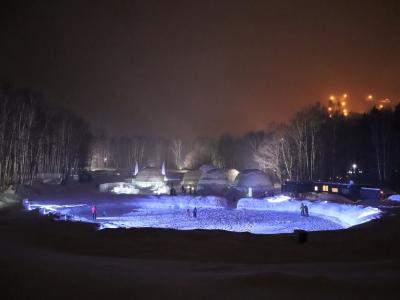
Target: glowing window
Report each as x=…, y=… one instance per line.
x=335, y=190
x=325, y=188
x=316, y=188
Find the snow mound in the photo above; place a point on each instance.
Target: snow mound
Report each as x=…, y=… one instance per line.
x=110, y=186
x=346, y=215
x=150, y=175
x=206, y=168
x=214, y=180
x=253, y=178
x=180, y=202
x=394, y=198
x=9, y=197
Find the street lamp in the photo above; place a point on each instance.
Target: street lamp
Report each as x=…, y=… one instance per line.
x=354, y=166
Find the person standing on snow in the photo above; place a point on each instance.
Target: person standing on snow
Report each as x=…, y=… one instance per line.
x=302, y=208
x=94, y=212
x=306, y=210
x=195, y=212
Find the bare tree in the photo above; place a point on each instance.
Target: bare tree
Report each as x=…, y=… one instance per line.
x=267, y=156
x=176, y=148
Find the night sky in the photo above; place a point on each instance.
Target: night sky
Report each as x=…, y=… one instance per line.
x=183, y=68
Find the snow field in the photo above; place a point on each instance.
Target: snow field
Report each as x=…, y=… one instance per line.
x=270, y=215
x=345, y=214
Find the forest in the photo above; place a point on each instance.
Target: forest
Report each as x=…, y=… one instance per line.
x=315, y=144
x=38, y=140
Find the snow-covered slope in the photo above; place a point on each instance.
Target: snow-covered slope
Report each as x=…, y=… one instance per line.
x=344, y=214
x=394, y=198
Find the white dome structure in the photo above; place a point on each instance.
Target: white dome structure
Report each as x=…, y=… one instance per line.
x=191, y=178
x=255, y=179
x=149, y=175
x=214, y=180
x=206, y=168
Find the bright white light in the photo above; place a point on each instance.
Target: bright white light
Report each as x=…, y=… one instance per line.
x=125, y=189
x=250, y=193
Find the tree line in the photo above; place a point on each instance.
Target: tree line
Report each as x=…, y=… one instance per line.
x=36, y=139
x=312, y=145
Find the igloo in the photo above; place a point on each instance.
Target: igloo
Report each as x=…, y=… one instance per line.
x=213, y=181
x=191, y=179
x=255, y=180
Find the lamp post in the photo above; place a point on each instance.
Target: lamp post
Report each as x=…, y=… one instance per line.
x=354, y=167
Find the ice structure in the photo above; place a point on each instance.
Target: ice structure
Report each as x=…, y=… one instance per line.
x=147, y=181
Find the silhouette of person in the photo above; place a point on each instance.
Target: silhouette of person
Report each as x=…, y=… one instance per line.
x=306, y=210
x=302, y=209
x=195, y=212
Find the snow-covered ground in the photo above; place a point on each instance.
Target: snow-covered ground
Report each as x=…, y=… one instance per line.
x=264, y=222
x=264, y=216
x=346, y=215
x=394, y=198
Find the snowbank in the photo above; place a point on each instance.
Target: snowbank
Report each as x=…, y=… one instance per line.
x=345, y=214
x=394, y=198
x=9, y=197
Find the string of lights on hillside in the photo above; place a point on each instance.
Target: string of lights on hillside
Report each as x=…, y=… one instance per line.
x=338, y=105
x=379, y=103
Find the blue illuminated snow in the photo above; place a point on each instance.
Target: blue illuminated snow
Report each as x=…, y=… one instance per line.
x=271, y=215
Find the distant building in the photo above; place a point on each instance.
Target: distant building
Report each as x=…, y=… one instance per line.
x=348, y=190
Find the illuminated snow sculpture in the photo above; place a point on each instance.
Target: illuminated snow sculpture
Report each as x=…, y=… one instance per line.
x=255, y=180
x=118, y=188
x=125, y=188
x=163, y=169
x=151, y=180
